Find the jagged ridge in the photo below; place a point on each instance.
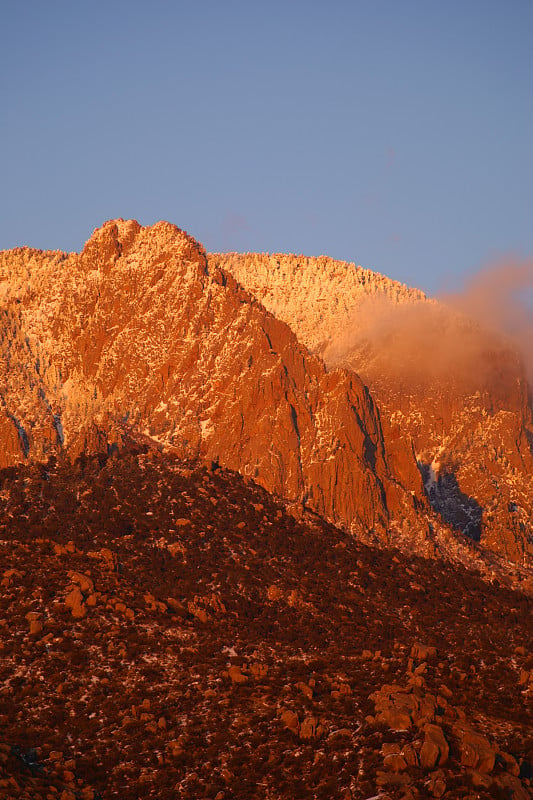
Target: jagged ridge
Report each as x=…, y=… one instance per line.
x=457, y=391
x=137, y=335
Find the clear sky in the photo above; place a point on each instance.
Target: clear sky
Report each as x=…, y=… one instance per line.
x=394, y=133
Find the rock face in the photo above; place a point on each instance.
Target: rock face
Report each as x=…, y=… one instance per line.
x=137, y=336
x=456, y=391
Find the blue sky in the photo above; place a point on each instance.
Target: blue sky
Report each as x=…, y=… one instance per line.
x=397, y=134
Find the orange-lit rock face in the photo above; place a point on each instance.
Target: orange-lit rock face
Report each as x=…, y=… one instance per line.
x=137, y=336
x=457, y=392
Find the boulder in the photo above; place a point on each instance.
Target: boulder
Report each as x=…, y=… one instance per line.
x=308, y=728
x=436, y=785
x=290, y=720
x=395, y=762
x=435, y=749
x=476, y=750
x=85, y=583
x=75, y=601
x=236, y=674
x=423, y=652
x=34, y=619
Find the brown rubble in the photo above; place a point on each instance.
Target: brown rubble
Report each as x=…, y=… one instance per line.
x=267, y=699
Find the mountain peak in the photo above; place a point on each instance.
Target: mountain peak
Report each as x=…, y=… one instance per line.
x=119, y=237
x=141, y=336
x=135, y=337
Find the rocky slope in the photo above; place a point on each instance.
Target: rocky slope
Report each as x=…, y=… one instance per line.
x=170, y=631
x=458, y=392
x=138, y=336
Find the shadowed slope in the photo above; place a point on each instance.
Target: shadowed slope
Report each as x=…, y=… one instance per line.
x=171, y=631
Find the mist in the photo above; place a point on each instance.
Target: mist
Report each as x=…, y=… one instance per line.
x=473, y=338
x=500, y=298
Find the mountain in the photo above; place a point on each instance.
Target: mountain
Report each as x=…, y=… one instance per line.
x=169, y=630
x=226, y=570
x=139, y=336
x=455, y=390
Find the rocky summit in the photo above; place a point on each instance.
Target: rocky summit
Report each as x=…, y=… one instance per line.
x=138, y=336
x=265, y=531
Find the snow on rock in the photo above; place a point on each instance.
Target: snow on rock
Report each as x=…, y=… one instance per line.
x=137, y=336
x=452, y=392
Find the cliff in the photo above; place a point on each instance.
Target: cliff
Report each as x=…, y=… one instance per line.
x=138, y=336
x=457, y=392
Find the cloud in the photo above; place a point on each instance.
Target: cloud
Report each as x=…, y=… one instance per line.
x=500, y=298
x=468, y=341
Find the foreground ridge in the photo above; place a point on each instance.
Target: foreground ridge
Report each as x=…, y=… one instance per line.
x=172, y=631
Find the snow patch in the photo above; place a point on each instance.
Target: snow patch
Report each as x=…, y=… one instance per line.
x=432, y=478
x=207, y=428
